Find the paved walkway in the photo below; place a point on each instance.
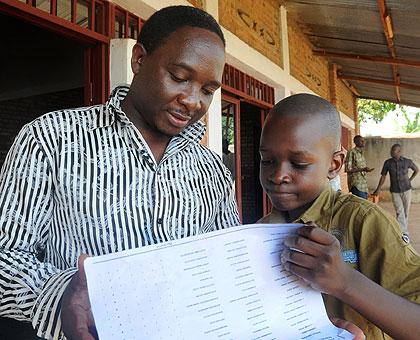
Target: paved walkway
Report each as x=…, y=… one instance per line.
x=413, y=221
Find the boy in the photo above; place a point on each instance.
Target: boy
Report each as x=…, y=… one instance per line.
x=295, y=168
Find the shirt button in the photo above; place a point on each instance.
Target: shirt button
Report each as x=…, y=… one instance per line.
x=159, y=221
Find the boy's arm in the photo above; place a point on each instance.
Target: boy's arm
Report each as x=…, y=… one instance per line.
x=322, y=266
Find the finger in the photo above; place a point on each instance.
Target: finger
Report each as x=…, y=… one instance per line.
x=352, y=328
x=81, y=269
x=314, y=233
x=298, y=258
x=303, y=244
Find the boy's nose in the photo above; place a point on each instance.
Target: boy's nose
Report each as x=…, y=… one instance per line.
x=281, y=175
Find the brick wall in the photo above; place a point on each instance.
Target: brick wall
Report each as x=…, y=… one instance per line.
x=17, y=112
x=345, y=99
x=309, y=69
x=255, y=22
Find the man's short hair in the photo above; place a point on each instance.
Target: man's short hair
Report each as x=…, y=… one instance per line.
x=396, y=145
x=357, y=137
x=169, y=19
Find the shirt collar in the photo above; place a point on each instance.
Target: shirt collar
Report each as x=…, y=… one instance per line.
x=106, y=115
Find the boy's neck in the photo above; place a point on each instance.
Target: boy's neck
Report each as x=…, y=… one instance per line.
x=293, y=215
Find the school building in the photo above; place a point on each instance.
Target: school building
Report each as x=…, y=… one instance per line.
x=69, y=53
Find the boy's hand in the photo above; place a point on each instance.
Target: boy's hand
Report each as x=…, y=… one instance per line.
x=350, y=327
x=314, y=255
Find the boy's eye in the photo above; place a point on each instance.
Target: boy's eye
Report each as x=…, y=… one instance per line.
x=300, y=166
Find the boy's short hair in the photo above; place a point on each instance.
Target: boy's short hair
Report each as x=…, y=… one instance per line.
x=311, y=106
x=169, y=19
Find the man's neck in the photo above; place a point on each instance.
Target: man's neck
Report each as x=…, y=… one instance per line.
x=156, y=141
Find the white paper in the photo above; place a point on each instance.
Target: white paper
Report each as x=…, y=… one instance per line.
x=228, y=284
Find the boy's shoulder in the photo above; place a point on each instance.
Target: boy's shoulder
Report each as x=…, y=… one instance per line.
x=356, y=205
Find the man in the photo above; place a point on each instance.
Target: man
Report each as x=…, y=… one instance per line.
x=355, y=166
x=397, y=166
x=111, y=177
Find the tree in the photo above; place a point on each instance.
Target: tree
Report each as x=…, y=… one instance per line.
x=374, y=109
x=377, y=110
x=412, y=124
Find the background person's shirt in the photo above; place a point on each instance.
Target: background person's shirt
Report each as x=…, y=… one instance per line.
x=356, y=160
x=398, y=173
x=85, y=181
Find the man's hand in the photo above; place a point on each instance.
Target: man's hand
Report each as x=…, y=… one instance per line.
x=76, y=316
x=315, y=256
x=350, y=327
x=376, y=193
x=366, y=169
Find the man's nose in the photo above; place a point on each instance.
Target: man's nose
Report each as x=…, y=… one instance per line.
x=191, y=99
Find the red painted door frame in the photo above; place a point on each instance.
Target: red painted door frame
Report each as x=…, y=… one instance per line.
x=96, y=59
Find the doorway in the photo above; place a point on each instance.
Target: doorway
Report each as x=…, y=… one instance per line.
x=241, y=129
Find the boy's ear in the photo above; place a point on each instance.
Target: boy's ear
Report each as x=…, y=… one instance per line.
x=337, y=160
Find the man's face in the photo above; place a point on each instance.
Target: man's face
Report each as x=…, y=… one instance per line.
x=360, y=142
x=174, y=85
x=396, y=152
x=295, y=160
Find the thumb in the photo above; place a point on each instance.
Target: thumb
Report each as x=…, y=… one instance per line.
x=81, y=269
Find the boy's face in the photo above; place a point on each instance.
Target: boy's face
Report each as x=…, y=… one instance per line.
x=296, y=160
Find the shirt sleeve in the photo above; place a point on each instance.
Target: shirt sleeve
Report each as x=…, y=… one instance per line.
x=227, y=215
x=386, y=258
x=348, y=163
x=385, y=169
x=30, y=289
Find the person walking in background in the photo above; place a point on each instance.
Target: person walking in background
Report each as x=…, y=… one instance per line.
x=397, y=166
x=355, y=166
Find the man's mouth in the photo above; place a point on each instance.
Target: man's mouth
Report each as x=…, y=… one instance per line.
x=178, y=119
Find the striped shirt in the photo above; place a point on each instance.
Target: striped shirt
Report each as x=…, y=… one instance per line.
x=85, y=181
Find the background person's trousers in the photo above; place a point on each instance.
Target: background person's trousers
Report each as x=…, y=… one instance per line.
x=402, y=201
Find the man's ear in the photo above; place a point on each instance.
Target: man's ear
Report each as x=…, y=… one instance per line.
x=337, y=160
x=137, y=57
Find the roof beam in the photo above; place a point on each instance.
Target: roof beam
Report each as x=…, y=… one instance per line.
x=389, y=35
x=380, y=81
x=375, y=59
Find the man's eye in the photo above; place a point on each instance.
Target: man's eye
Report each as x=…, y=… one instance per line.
x=177, y=79
x=208, y=92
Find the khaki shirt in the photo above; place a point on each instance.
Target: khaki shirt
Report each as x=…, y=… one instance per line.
x=371, y=243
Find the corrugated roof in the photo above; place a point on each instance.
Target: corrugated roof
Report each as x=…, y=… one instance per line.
x=355, y=28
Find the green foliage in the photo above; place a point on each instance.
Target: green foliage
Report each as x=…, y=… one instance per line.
x=374, y=109
x=412, y=120
x=377, y=110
